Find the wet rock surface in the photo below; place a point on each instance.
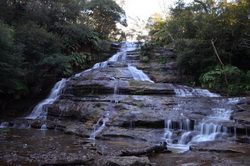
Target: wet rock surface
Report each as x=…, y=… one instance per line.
x=201, y=158
x=30, y=146
x=127, y=161
x=110, y=116
x=48, y=147
x=162, y=67
x=222, y=147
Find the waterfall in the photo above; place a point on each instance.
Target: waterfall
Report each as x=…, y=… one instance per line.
x=181, y=132
x=221, y=113
x=40, y=110
x=204, y=93
x=105, y=118
x=184, y=138
x=4, y=125
x=121, y=57
x=209, y=132
x=98, y=130
x=201, y=132
x=138, y=74
x=44, y=127
x=187, y=125
x=118, y=57
x=184, y=91
x=167, y=131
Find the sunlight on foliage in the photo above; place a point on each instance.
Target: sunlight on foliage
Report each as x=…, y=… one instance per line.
x=191, y=28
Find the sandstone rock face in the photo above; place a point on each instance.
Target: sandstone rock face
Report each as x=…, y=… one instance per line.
x=162, y=67
x=114, y=101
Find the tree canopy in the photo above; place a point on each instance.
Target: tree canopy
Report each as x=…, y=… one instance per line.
x=44, y=40
x=211, y=40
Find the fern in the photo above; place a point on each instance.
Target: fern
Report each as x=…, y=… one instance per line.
x=215, y=79
x=79, y=60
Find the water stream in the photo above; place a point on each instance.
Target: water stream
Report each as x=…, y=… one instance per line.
x=192, y=116
x=206, y=129
x=40, y=111
x=181, y=133
x=120, y=57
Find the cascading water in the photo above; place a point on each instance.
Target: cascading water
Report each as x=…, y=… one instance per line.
x=96, y=129
x=138, y=74
x=105, y=118
x=192, y=115
x=121, y=57
x=44, y=127
x=184, y=138
x=4, y=125
x=209, y=132
x=180, y=133
x=40, y=111
x=168, y=133
x=184, y=91
x=189, y=131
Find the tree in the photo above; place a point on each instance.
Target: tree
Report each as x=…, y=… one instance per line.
x=42, y=55
x=11, y=72
x=158, y=31
x=42, y=41
x=103, y=15
x=207, y=33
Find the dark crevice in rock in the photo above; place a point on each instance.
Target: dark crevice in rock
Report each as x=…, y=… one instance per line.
x=151, y=150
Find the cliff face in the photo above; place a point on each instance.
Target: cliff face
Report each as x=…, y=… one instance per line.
x=115, y=100
x=161, y=66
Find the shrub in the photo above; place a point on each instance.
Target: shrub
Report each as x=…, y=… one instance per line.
x=215, y=79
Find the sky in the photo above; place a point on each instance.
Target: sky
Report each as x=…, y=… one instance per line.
x=139, y=11
x=145, y=8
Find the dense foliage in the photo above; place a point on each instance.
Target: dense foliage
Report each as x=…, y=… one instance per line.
x=44, y=40
x=212, y=42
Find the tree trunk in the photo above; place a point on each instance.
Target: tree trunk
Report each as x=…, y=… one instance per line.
x=222, y=65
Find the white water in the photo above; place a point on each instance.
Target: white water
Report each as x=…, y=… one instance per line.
x=202, y=132
x=221, y=114
x=105, y=118
x=121, y=57
x=44, y=127
x=209, y=132
x=180, y=134
x=184, y=91
x=96, y=129
x=4, y=125
x=167, y=131
x=139, y=75
x=184, y=137
x=40, y=111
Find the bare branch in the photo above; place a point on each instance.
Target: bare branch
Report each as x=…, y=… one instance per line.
x=222, y=64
